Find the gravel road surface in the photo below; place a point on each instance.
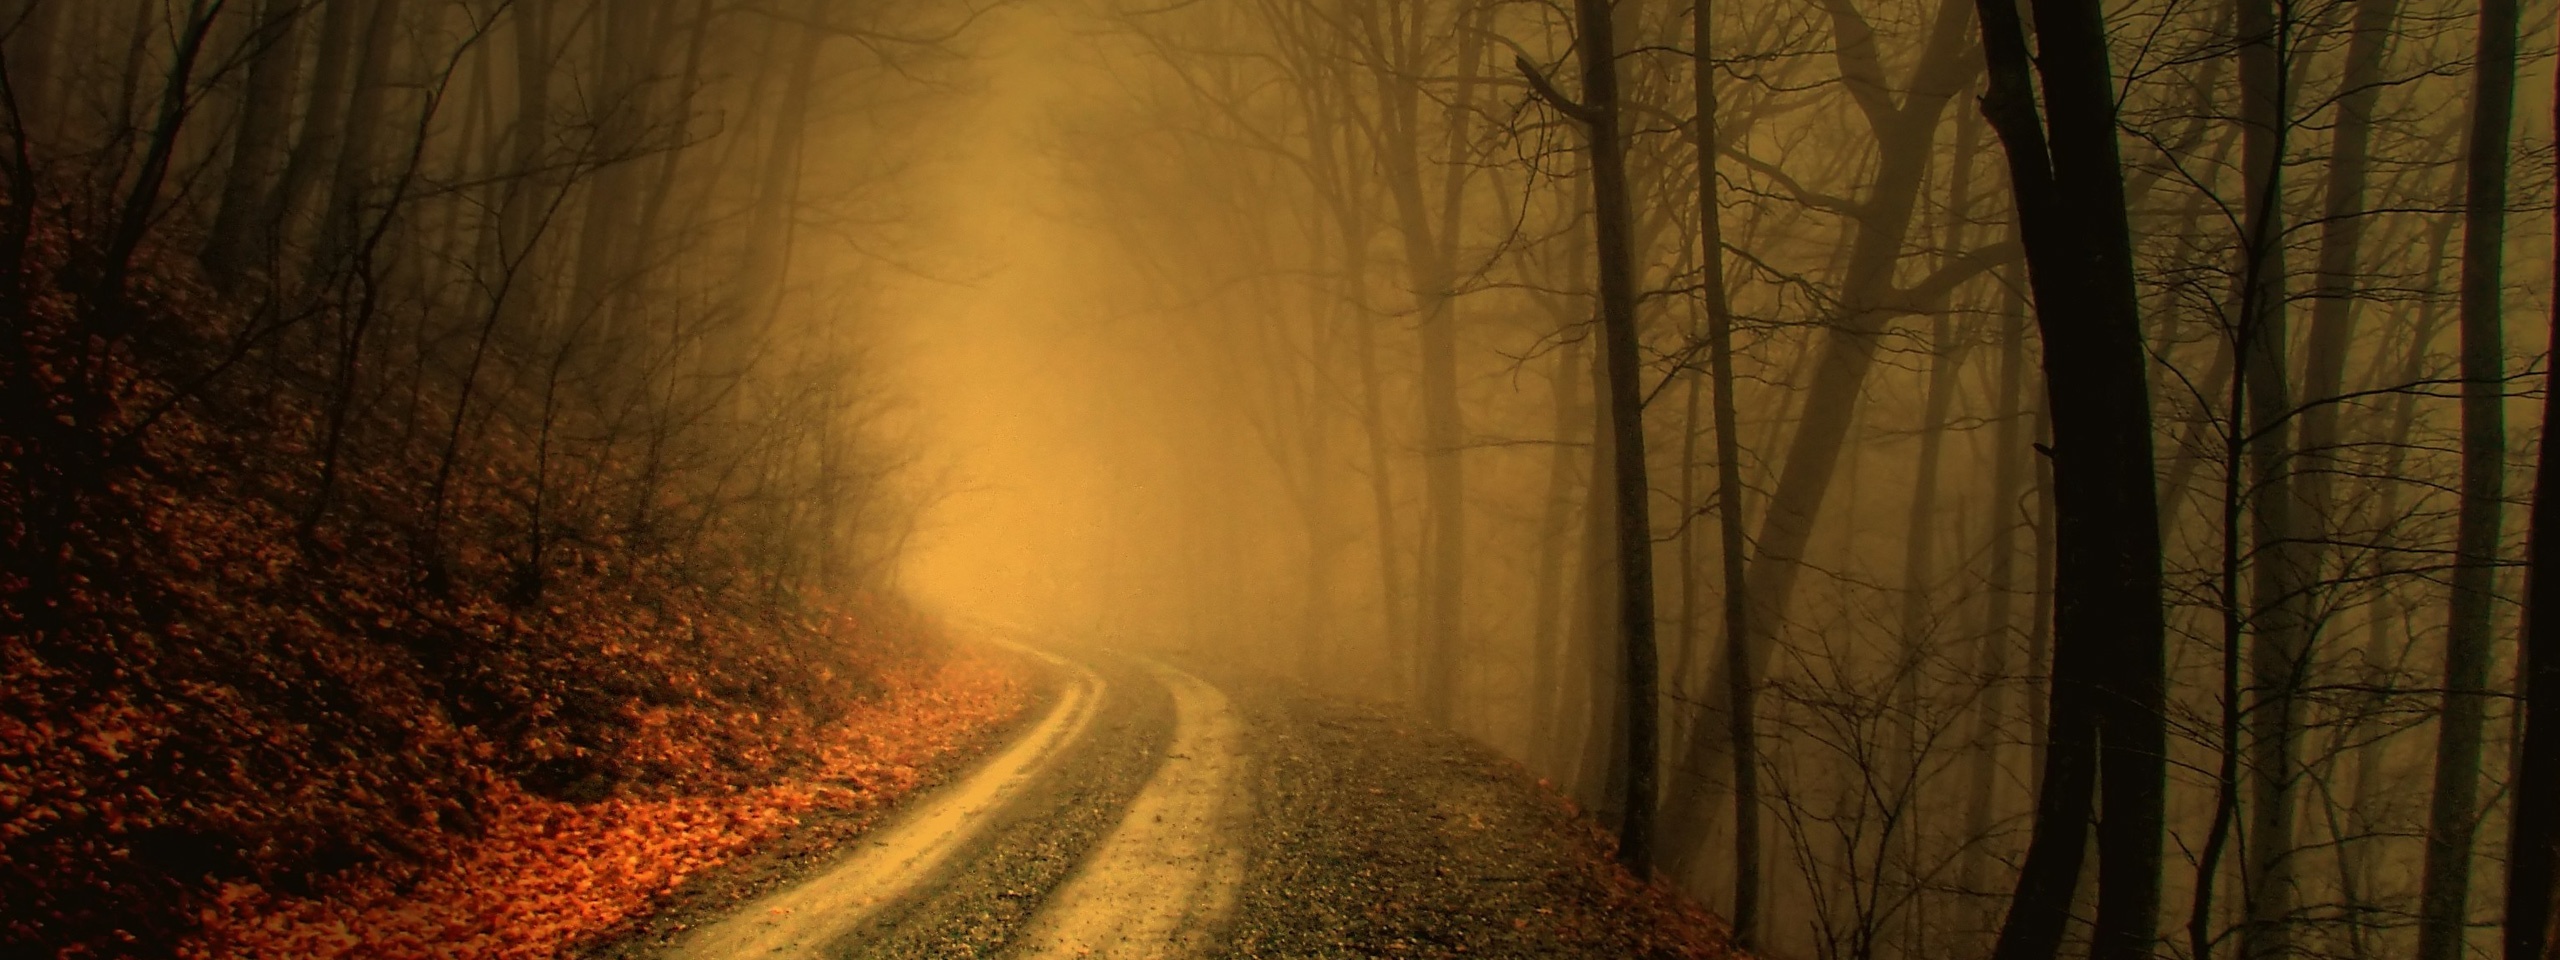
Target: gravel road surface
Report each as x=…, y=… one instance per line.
x=1156, y=814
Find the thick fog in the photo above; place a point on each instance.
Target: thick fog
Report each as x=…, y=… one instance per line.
x=1354, y=342
x=1175, y=383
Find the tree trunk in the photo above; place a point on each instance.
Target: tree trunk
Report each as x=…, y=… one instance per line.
x=606, y=238
x=1601, y=764
x=1316, y=631
x=315, y=149
x=1554, y=551
x=1429, y=236
x=1920, y=539
x=2363, y=857
x=765, y=265
x=2008, y=483
x=34, y=50
x=2343, y=222
x=1447, y=630
x=369, y=89
x=2453, y=811
x=1904, y=136
x=2277, y=611
x=140, y=205
x=532, y=134
x=2109, y=660
x=1344, y=168
x=2040, y=610
x=2533, y=838
x=2331, y=334
x=2533, y=833
x=670, y=171
x=1382, y=495
x=1741, y=741
x=1596, y=48
x=258, y=150
x=1693, y=391
x=1919, y=574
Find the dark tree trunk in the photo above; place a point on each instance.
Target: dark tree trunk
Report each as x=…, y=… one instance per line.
x=1428, y=234
x=1920, y=542
x=1392, y=591
x=343, y=217
x=1444, y=622
x=140, y=207
x=2453, y=814
x=33, y=49
x=2109, y=664
x=1339, y=165
x=2533, y=831
x=606, y=246
x=2277, y=606
x=2010, y=451
x=2343, y=222
x=1596, y=48
x=1904, y=134
x=258, y=150
x=1600, y=766
x=531, y=136
x=1735, y=597
x=765, y=265
x=1548, y=616
x=315, y=149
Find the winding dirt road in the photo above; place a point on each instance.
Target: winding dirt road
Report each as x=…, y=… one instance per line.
x=1157, y=885
x=1130, y=821
x=1165, y=881
x=804, y=920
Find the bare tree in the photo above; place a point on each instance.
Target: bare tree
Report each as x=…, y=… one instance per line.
x=2453, y=811
x=2108, y=660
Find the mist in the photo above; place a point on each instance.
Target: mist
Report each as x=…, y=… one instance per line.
x=1193, y=407
x=1917, y=477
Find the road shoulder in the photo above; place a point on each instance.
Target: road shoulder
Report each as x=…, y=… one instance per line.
x=1376, y=835
x=823, y=838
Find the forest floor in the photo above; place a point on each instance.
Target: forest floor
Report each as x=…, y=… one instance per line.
x=1375, y=835
x=548, y=876
x=1235, y=816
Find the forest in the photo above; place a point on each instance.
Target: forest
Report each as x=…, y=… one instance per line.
x=1852, y=479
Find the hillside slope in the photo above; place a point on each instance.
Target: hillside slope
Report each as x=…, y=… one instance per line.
x=273, y=662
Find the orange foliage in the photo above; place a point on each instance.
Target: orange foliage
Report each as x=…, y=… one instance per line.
x=255, y=715
x=548, y=874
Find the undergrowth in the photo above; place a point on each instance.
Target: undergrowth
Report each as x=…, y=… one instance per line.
x=245, y=672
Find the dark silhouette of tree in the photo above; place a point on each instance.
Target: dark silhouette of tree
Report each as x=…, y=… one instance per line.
x=2453, y=815
x=2107, y=734
x=2533, y=832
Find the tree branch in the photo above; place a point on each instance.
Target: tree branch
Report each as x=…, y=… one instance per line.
x=1547, y=91
x=1929, y=293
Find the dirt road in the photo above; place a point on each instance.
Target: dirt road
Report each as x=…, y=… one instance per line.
x=1152, y=814
x=804, y=920
x=1163, y=884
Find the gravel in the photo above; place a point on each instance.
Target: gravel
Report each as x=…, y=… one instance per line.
x=996, y=883
x=996, y=888
x=1377, y=836
x=1369, y=835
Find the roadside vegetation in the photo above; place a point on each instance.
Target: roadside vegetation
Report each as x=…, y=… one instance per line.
x=414, y=532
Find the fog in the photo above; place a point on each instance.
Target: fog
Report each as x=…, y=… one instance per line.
x=1323, y=339
x=1145, y=375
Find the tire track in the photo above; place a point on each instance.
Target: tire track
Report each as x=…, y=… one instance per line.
x=1164, y=882
x=801, y=921
x=987, y=896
